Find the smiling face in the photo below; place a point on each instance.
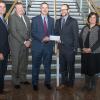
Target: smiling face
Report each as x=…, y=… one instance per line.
x=64, y=10
x=44, y=9
x=92, y=19
x=19, y=9
x=2, y=8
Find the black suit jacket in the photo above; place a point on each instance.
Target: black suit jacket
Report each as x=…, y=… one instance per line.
x=68, y=34
x=4, y=46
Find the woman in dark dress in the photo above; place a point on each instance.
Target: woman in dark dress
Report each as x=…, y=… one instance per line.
x=90, y=47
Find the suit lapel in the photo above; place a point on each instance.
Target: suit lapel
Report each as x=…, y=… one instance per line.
x=3, y=24
x=18, y=17
x=40, y=21
x=21, y=21
x=49, y=22
x=66, y=23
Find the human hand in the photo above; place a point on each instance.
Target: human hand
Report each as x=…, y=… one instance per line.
x=46, y=39
x=86, y=50
x=27, y=43
x=1, y=56
x=58, y=41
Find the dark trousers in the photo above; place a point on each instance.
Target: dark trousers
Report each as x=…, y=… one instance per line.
x=3, y=68
x=43, y=55
x=67, y=60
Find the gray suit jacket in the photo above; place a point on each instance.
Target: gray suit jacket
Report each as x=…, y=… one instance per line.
x=18, y=31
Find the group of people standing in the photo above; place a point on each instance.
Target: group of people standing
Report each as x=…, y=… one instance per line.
x=19, y=35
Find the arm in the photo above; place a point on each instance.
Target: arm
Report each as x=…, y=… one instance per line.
x=27, y=42
x=2, y=41
x=76, y=34
x=56, y=31
x=52, y=27
x=97, y=44
x=80, y=39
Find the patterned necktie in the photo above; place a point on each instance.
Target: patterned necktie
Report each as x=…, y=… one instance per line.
x=62, y=22
x=45, y=27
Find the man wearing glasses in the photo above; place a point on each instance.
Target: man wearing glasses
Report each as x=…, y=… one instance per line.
x=67, y=28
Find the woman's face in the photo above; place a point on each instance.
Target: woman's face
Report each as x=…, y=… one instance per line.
x=92, y=19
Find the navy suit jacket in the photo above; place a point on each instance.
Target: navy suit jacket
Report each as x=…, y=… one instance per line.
x=37, y=32
x=68, y=34
x=4, y=46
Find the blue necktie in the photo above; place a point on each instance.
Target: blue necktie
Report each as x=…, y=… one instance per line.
x=62, y=22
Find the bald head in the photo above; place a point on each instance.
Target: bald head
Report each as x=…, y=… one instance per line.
x=2, y=8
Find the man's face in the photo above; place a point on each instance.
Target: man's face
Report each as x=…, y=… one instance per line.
x=2, y=8
x=44, y=9
x=64, y=10
x=19, y=9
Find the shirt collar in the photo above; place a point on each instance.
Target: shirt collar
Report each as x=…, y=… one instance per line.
x=65, y=17
x=43, y=17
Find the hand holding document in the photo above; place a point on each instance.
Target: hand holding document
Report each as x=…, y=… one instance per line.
x=55, y=38
x=46, y=39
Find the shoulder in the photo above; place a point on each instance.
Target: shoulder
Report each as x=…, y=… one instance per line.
x=51, y=18
x=58, y=20
x=36, y=17
x=85, y=28
x=26, y=17
x=72, y=19
x=98, y=26
x=13, y=17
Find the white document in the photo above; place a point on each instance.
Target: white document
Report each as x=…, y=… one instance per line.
x=54, y=38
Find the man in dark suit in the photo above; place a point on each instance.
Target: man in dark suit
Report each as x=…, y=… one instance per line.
x=4, y=47
x=67, y=28
x=42, y=47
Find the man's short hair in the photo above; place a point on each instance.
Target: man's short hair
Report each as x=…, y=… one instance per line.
x=44, y=3
x=19, y=3
x=66, y=5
